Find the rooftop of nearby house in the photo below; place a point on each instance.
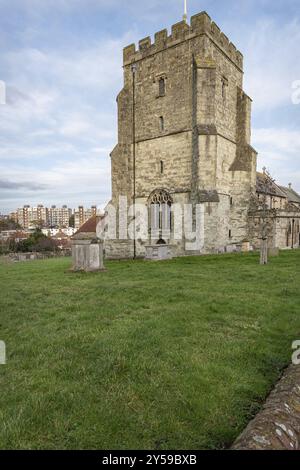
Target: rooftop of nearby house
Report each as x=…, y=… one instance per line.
x=88, y=229
x=264, y=184
x=291, y=194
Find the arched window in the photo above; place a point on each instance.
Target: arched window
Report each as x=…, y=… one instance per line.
x=160, y=204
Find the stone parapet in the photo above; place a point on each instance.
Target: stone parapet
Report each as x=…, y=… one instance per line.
x=201, y=24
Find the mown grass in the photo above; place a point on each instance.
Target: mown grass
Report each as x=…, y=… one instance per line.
x=171, y=355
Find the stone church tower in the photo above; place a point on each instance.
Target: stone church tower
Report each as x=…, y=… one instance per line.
x=184, y=133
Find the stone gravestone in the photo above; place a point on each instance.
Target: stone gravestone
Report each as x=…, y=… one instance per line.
x=87, y=248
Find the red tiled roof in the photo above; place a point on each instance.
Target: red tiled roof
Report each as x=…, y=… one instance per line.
x=19, y=235
x=90, y=226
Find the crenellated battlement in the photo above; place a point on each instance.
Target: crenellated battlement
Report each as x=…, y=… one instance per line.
x=201, y=24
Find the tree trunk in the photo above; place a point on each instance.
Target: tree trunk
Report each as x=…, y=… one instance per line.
x=264, y=251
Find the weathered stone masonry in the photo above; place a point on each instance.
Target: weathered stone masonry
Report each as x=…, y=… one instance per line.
x=184, y=125
x=277, y=425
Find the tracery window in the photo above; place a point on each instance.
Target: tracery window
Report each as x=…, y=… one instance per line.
x=160, y=202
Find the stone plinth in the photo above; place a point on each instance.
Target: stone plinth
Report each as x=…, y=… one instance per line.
x=87, y=255
x=87, y=248
x=158, y=252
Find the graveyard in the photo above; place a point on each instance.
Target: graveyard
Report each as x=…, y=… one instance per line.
x=178, y=354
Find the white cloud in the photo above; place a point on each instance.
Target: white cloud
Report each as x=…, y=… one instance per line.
x=279, y=151
x=61, y=119
x=66, y=182
x=75, y=126
x=63, y=92
x=272, y=62
x=284, y=141
x=54, y=121
x=58, y=111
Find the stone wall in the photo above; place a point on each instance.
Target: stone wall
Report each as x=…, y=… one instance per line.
x=277, y=426
x=175, y=153
x=283, y=228
x=17, y=257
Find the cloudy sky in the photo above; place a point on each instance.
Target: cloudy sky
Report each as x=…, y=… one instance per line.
x=61, y=62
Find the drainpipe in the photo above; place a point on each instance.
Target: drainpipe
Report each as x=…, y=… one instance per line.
x=293, y=231
x=133, y=70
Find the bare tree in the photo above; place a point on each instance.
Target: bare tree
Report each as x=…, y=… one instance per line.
x=267, y=184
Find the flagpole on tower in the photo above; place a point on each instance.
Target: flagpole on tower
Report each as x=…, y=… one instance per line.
x=185, y=11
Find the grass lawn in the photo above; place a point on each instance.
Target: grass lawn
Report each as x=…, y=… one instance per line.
x=172, y=355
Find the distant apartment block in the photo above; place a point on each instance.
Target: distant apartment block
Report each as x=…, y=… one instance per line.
x=28, y=216
x=59, y=217
x=82, y=215
x=13, y=216
x=54, y=217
